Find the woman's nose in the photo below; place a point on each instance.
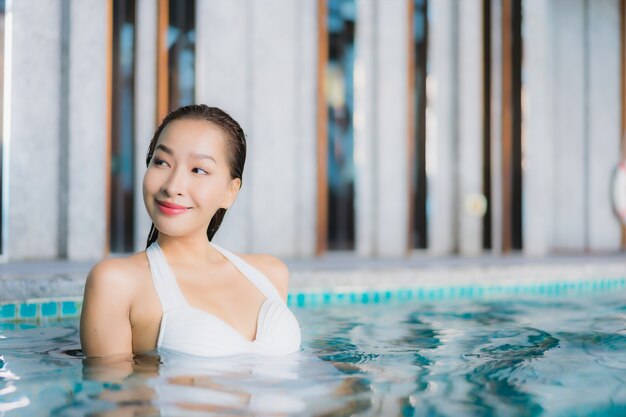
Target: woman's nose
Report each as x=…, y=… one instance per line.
x=176, y=183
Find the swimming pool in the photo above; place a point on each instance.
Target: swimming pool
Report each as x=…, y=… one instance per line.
x=525, y=355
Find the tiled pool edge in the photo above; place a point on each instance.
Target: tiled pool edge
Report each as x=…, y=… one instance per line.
x=38, y=309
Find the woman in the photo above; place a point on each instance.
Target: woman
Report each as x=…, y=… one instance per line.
x=185, y=293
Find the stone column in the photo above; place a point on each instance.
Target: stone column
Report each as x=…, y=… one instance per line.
x=365, y=96
x=273, y=134
x=306, y=134
x=391, y=215
x=603, y=121
x=442, y=199
x=145, y=107
x=470, y=144
x=539, y=132
x=35, y=155
x=87, y=119
x=570, y=140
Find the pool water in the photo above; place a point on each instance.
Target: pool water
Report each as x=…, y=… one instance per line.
x=522, y=356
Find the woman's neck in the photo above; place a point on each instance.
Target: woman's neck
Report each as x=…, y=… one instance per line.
x=188, y=250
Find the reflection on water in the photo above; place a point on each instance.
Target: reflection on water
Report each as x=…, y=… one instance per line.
x=528, y=357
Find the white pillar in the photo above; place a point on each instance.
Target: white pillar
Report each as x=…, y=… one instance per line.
x=306, y=133
x=391, y=129
x=570, y=138
x=538, y=133
x=470, y=144
x=604, y=121
x=273, y=129
x=365, y=193
x=145, y=107
x=442, y=198
x=87, y=128
x=33, y=212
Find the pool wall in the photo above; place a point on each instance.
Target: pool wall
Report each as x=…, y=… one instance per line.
x=36, y=298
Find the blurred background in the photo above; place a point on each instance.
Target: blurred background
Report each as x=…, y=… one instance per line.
x=382, y=128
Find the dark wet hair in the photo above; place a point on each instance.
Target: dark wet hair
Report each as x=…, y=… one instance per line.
x=235, y=147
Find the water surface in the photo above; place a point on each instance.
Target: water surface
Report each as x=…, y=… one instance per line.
x=537, y=356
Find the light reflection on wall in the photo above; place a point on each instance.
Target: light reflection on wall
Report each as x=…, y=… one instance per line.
x=340, y=106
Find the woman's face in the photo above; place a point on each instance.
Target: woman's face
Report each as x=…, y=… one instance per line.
x=188, y=178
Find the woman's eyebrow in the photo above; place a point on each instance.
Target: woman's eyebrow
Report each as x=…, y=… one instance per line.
x=194, y=155
x=203, y=156
x=165, y=149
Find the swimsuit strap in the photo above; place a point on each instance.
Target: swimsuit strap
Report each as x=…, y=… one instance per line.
x=164, y=280
x=169, y=292
x=253, y=274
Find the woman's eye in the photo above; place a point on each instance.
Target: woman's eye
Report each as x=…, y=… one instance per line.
x=202, y=171
x=157, y=161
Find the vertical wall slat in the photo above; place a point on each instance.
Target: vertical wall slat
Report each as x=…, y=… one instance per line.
x=86, y=209
x=364, y=127
x=35, y=124
x=470, y=143
x=570, y=138
x=391, y=130
x=306, y=138
x=273, y=129
x=443, y=172
x=496, y=131
x=604, y=121
x=538, y=134
x=145, y=107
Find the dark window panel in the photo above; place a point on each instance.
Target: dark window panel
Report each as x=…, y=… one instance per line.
x=181, y=46
x=340, y=107
x=122, y=128
x=419, y=181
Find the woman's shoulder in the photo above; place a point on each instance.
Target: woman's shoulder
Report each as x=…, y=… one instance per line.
x=114, y=274
x=273, y=268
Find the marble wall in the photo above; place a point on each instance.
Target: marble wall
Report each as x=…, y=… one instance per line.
x=258, y=61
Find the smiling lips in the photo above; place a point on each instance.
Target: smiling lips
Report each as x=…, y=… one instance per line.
x=170, y=208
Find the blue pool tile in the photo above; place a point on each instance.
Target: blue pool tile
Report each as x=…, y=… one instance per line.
x=69, y=308
x=300, y=299
x=28, y=311
x=8, y=311
x=49, y=309
x=327, y=298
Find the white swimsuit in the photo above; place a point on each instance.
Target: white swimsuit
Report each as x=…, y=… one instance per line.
x=190, y=330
